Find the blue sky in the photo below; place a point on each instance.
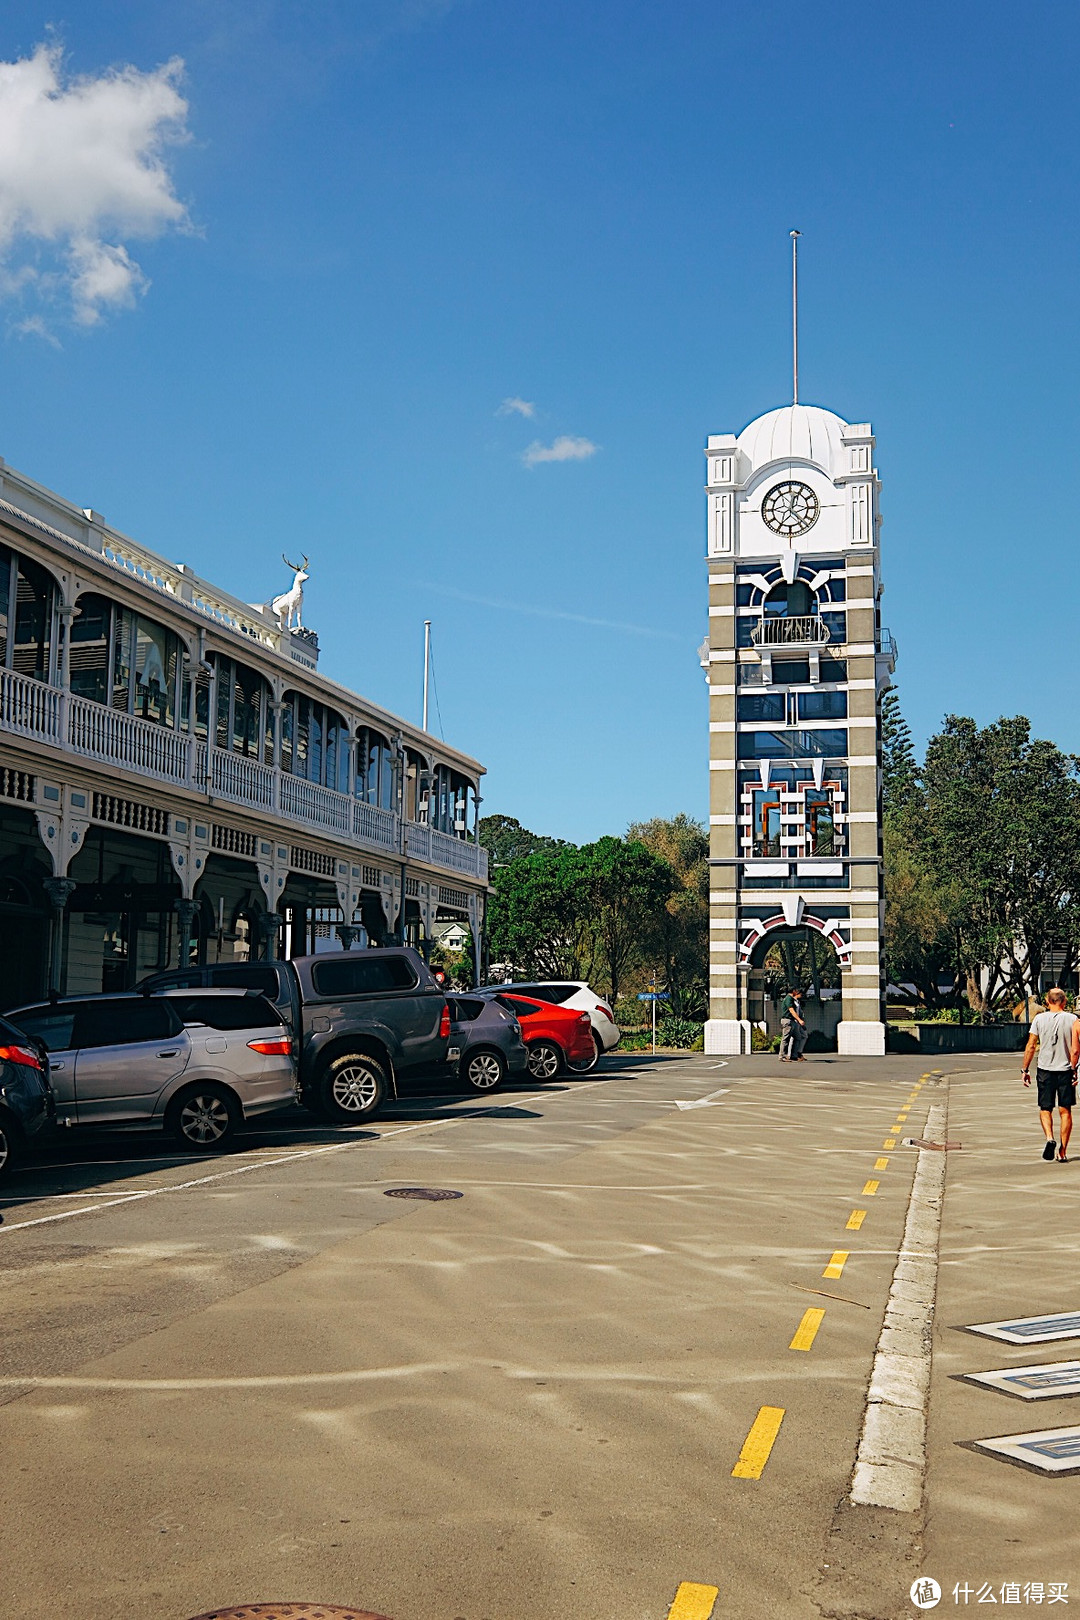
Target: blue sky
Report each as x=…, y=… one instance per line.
x=390, y=217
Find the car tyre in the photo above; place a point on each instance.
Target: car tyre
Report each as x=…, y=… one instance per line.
x=204, y=1118
x=545, y=1060
x=10, y=1146
x=483, y=1071
x=353, y=1087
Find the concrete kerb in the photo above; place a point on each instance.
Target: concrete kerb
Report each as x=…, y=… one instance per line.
x=891, y=1460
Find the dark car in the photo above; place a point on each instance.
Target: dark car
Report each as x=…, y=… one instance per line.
x=26, y=1102
x=360, y=1020
x=487, y=1037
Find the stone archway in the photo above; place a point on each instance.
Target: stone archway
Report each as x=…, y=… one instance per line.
x=803, y=957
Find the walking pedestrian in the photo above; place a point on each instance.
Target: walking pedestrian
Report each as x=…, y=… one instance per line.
x=1056, y=1034
x=793, y=1031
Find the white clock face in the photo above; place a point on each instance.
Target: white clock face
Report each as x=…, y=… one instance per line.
x=790, y=509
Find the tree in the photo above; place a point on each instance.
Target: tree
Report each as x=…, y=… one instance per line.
x=1003, y=837
x=536, y=915
x=626, y=887
x=507, y=840
x=899, y=767
x=680, y=937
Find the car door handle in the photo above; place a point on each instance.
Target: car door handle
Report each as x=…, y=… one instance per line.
x=172, y=1052
x=54, y=1068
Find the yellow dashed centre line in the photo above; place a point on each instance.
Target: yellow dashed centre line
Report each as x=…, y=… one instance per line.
x=759, y=1443
x=870, y=1189
x=836, y=1264
x=855, y=1219
x=881, y=1164
x=806, y=1331
x=693, y=1602
x=889, y=1142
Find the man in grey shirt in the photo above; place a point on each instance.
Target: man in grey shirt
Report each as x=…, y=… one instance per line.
x=1056, y=1033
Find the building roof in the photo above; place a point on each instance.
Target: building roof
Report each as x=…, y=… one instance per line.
x=795, y=432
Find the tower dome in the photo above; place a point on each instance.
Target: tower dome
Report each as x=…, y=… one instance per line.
x=795, y=432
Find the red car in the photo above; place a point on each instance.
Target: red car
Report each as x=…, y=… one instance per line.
x=556, y=1037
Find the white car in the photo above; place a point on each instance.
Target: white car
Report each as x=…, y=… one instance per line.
x=577, y=995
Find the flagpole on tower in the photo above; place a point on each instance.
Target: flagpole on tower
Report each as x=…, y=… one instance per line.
x=795, y=315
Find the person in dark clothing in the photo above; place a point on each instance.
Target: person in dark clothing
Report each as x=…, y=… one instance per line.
x=793, y=1029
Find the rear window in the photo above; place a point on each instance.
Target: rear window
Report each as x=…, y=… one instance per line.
x=227, y=1012
x=555, y=993
x=53, y=1025
x=245, y=976
x=363, y=976
x=520, y=1009
x=122, y=1023
x=463, y=1009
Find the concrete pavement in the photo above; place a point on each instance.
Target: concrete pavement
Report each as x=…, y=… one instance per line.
x=260, y=1378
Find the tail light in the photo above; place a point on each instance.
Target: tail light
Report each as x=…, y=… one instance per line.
x=583, y=1018
x=21, y=1054
x=278, y=1048
x=605, y=1012
x=444, y=1023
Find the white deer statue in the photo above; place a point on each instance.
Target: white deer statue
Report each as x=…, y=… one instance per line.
x=291, y=602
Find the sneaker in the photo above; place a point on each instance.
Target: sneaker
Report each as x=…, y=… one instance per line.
x=1050, y=1149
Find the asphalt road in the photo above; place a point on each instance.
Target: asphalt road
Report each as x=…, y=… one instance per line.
x=254, y=1378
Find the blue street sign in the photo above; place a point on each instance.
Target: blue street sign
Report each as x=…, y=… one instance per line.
x=655, y=995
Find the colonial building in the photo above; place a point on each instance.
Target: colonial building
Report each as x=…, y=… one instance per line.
x=179, y=783
x=797, y=663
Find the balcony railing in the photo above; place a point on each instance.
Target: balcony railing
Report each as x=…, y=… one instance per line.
x=780, y=632
x=30, y=708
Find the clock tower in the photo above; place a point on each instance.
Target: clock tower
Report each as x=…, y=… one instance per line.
x=797, y=664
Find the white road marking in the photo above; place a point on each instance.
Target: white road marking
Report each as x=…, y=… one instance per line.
x=705, y=1102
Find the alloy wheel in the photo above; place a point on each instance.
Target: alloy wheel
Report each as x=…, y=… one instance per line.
x=204, y=1119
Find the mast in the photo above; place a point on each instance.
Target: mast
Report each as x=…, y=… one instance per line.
x=795, y=315
x=427, y=669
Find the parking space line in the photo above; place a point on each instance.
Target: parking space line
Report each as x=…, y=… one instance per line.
x=759, y=1443
x=837, y=1263
x=693, y=1602
x=806, y=1331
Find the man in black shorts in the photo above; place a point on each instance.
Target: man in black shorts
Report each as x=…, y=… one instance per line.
x=1056, y=1033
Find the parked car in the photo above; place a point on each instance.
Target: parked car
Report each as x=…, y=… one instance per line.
x=556, y=1037
x=197, y=1065
x=574, y=993
x=485, y=1041
x=26, y=1100
x=360, y=1021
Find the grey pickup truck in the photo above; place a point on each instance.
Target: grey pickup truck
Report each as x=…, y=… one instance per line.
x=360, y=1020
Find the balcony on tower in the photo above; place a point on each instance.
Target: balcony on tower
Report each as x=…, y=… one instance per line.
x=790, y=617
x=807, y=630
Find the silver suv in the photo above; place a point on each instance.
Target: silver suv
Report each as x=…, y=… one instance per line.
x=197, y=1063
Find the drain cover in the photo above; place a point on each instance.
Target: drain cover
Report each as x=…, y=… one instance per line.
x=289, y=1611
x=432, y=1194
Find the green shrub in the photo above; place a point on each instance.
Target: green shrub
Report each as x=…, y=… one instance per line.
x=678, y=1032
x=760, y=1042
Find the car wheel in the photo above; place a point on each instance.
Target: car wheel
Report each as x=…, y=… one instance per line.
x=545, y=1060
x=204, y=1117
x=9, y=1149
x=352, y=1088
x=484, y=1071
x=586, y=1065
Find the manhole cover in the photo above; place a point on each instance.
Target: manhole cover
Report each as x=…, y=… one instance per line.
x=289, y=1611
x=432, y=1194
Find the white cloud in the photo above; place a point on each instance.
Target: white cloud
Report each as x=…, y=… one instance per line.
x=516, y=407
x=564, y=448
x=82, y=167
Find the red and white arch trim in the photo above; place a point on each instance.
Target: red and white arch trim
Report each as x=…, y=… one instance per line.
x=794, y=915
